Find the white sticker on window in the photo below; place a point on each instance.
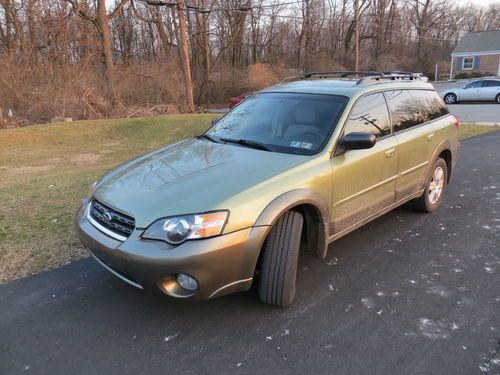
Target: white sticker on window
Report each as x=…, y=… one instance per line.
x=298, y=144
x=306, y=145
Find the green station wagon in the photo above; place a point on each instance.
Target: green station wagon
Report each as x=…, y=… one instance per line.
x=291, y=168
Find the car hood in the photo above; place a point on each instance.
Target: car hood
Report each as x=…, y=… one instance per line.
x=188, y=177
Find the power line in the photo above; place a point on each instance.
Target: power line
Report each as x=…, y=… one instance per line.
x=243, y=9
x=247, y=9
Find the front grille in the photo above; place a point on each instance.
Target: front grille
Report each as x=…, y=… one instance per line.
x=112, y=219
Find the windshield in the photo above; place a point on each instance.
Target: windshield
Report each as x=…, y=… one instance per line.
x=283, y=122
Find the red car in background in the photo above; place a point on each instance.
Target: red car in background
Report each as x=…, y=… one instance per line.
x=238, y=99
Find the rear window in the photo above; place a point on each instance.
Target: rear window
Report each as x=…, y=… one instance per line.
x=410, y=108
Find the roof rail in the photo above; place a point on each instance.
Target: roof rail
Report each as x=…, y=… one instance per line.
x=391, y=76
x=366, y=76
x=329, y=74
x=340, y=73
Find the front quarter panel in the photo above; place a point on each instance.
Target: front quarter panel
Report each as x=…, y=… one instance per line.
x=262, y=204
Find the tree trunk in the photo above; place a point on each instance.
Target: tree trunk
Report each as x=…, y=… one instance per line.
x=107, y=49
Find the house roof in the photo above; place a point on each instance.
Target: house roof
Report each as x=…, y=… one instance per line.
x=482, y=41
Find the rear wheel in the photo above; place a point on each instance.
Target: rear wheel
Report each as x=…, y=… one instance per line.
x=434, y=188
x=450, y=98
x=497, y=99
x=280, y=256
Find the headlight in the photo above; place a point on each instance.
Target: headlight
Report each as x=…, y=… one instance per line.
x=175, y=230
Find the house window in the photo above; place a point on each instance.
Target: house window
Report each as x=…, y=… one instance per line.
x=468, y=63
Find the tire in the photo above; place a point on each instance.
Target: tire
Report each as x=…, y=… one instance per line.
x=497, y=99
x=450, y=98
x=435, y=186
x=280, y=257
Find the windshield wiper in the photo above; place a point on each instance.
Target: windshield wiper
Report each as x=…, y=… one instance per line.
x=208, y=137
x=248, y=143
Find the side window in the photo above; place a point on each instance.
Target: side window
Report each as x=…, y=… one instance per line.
x=475, y=85
x=414, y=107
x=491, y=83
x=431, y=103
x=369, y=115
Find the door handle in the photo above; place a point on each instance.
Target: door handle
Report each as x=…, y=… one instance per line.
x=389, y=153
x=430, y=136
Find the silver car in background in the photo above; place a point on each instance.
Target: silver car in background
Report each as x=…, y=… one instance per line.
x=478, y=90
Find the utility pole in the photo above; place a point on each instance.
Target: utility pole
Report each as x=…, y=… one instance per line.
x=185, y=56
x=184, y=47
x=356, y=16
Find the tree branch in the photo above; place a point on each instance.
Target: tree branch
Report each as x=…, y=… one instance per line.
x=117, y=10
x=77, y=9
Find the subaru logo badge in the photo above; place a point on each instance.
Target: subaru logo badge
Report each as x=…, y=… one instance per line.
x=107, y=217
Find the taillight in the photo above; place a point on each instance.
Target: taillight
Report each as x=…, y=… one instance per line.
x=457, y=122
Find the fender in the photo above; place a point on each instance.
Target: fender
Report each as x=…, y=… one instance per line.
x=316, y=213
x=444, y=145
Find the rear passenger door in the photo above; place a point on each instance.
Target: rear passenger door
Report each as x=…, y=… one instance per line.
x=412, y=113
x=364, y=180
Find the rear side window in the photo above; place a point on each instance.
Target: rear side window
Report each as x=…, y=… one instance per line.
x=491, y=83
x=369, y=115
x=410, y=108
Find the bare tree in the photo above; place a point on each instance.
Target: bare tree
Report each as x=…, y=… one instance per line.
x=100, y=19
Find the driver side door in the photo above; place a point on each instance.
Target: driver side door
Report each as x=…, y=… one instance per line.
x=364, y=181
x=472, y=91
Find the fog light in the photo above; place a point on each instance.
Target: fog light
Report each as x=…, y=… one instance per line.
x=187, y=282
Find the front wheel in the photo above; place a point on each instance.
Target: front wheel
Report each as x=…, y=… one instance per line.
x=450, y=98
x=497, y=99
x=280, y=256
x=434, y=188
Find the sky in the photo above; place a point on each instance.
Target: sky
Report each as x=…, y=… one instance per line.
x=478, y=2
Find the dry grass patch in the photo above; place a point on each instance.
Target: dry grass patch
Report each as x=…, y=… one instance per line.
x=47, y=169
x=470, y=130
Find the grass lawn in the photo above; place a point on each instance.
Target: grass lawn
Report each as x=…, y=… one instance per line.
x=46, y=170
x=469, y=130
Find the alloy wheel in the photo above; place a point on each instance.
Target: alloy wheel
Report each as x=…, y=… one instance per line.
x=450, y=98
x=436, y=185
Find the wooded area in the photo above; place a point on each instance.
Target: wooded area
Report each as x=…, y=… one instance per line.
x=88, y=59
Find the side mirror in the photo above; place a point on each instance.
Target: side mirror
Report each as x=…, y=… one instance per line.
x=358, y=141
x=215, y=120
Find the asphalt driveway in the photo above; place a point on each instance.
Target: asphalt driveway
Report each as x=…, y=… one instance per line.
x=477, y=112
x=407, y=294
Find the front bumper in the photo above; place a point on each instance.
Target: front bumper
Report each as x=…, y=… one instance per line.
x=221, y=265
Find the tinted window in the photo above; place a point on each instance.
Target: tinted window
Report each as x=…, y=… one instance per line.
x=491, y=83
x=285, y=122
x=369, y=115
x=414, y=107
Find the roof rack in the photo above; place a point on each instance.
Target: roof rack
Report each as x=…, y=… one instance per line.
x=392, y=76
x=366, y=76
x=340, y=73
